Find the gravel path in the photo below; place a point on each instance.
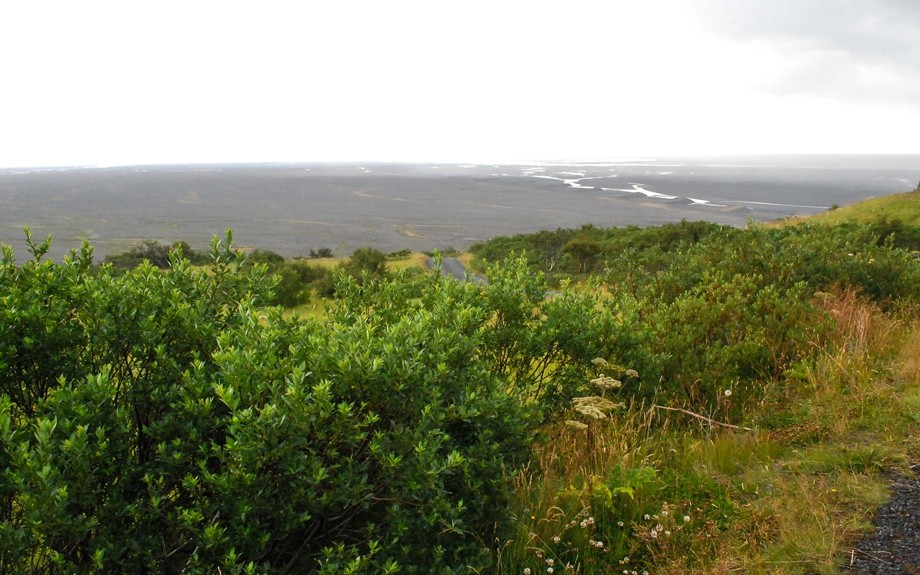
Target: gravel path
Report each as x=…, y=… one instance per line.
x=453, y=268
x=894, y=548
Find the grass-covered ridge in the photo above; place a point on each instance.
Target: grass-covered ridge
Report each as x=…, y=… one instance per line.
x=902, y=207
x=701, y=399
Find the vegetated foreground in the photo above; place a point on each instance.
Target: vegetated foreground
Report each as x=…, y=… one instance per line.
x=702, y=399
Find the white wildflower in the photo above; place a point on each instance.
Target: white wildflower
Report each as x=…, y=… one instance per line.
x=605, y=383
x=576, y=425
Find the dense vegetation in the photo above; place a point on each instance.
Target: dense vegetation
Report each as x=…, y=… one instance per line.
x=168, y=419
x=578, y=252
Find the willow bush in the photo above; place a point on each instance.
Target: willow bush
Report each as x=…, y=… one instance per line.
x=163, y=420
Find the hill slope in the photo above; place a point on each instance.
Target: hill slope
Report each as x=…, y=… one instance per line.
x=904, y=207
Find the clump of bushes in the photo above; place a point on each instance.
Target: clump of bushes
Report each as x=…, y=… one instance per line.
x=166, y=419
x=295, y=280
x=156, y=253
x=162, y=420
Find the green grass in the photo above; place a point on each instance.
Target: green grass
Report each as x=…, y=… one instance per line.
x=904, y=207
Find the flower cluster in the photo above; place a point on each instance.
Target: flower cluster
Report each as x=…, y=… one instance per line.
x=668, y=533
x=595, y=407
x=605, y=383
x=625, y=562
x=563, y=552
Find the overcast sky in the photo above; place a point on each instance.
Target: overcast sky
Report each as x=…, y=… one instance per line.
x=110, y=83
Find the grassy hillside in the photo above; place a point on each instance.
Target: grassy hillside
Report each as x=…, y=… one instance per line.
x=904, y=207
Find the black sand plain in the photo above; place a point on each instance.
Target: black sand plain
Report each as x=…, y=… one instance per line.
x=293, y=208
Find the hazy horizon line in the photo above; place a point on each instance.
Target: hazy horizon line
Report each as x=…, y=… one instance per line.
x=638, y=159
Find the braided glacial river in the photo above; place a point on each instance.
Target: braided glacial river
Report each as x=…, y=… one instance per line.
x=293, y=208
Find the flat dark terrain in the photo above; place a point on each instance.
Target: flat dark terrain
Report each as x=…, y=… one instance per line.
x=292, y=208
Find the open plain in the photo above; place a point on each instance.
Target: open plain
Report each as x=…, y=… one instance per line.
x=293, y=208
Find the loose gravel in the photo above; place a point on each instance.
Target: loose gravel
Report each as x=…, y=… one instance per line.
x=894, y=548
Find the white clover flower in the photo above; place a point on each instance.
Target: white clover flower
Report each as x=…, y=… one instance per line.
x=550, y=562
x=654, y=534
x=549, y=570
x=557, y=539
x=667, y=533
x=646, y=517
x=686, y=519
x=619, y=523
x=659, y=527
x=526, y=570
x=728, y=393
x=599, y=544
x=583, y=523
x=591, y=542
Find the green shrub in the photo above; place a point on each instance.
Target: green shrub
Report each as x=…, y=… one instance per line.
x=178, y=429
x=157, y=254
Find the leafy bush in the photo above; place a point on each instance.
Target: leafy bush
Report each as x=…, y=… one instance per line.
x=294, y=280
x=729, y=335
x=162, y=420
x=321, y=253
x=157, y=254
x=177, y=428
x=366, y=264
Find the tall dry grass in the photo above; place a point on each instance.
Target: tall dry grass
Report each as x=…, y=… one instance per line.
x=613, y=497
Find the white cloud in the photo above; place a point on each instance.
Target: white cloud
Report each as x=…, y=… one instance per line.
x=111, y=82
